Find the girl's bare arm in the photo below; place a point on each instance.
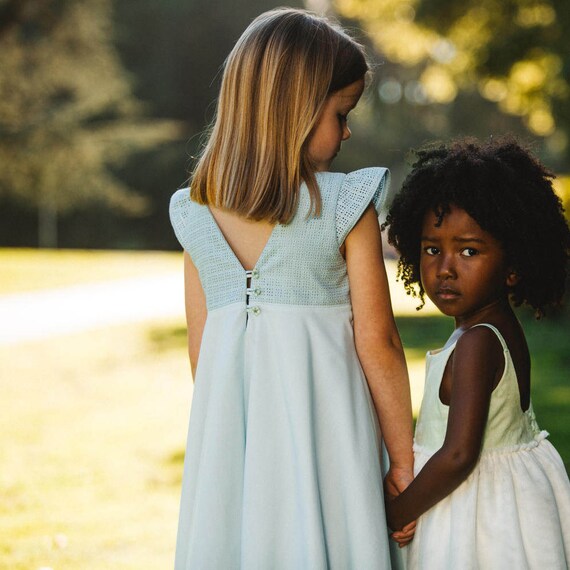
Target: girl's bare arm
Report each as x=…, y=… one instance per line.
x=378, y=344
x=196, y=312
x=477, y=360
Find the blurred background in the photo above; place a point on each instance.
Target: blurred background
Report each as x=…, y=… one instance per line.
x=103, y=105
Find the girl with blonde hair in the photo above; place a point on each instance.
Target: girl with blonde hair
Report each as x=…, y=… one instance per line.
x=299, y=370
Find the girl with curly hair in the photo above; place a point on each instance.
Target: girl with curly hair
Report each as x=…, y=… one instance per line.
x=478, y=227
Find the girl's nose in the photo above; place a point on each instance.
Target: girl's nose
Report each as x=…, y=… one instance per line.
x=346, y=133
x=446, y=269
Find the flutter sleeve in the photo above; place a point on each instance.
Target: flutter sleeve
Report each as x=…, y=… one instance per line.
x=180, y=214
x=359, y=189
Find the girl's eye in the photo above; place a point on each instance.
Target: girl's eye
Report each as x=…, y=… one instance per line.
x=342, y=118
x=469, y=252
x=431, y=250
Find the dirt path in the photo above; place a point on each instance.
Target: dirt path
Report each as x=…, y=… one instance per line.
x=43, y=314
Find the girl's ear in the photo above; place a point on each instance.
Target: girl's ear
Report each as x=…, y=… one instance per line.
x=512, y=277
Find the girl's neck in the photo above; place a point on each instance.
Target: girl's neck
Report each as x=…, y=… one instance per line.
x=490, y=313
x=499, y=313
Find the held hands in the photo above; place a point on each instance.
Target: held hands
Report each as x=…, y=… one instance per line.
x=396, y=480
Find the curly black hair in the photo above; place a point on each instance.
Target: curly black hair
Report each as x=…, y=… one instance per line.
x=507, y=192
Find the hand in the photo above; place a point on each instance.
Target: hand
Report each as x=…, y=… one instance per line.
x=397, y=479
x=404, y=537
x=395, y=482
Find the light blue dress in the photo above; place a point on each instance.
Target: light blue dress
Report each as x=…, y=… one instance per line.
x=283, y=468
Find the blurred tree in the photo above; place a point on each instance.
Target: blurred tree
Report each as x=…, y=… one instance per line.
x=177, y=49
x=512, y=54
x=67, y=112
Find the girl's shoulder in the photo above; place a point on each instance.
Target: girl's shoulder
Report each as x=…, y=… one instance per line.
x=188, y=218
x=481, y=341
x=355, y=192
x=181, y=203
x=483, y=333
x=506, y=335
x=483, y=348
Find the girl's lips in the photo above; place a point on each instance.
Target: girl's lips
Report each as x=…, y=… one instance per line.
x=445, y=293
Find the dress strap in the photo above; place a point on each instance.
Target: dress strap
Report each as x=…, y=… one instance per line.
x=497, y=333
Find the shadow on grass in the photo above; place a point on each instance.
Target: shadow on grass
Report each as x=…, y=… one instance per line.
x=176, y=458
x=162, y=339
x=166, y=338
x=174, y=465
x=548, y=342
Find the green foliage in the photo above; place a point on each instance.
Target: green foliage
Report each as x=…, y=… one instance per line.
x=78, y=78
x=510, y=53
x=67, y=111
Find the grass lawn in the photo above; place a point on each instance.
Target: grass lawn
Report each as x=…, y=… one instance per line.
x=91, y=438
x=93, y=425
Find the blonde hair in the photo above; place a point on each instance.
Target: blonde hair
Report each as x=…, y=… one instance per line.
x=275, y=83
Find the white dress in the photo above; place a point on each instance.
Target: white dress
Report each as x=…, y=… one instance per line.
x=283, y=468
x=513, y=511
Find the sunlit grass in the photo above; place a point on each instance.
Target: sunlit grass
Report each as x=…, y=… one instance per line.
x=91, y=435
x=33, y=269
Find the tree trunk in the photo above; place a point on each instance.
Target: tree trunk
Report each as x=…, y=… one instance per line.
x=47, y=223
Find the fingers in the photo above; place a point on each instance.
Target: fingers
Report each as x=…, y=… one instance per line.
x=402, y=542
x=400, y=536
x=404, y=537
x=406, y=533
